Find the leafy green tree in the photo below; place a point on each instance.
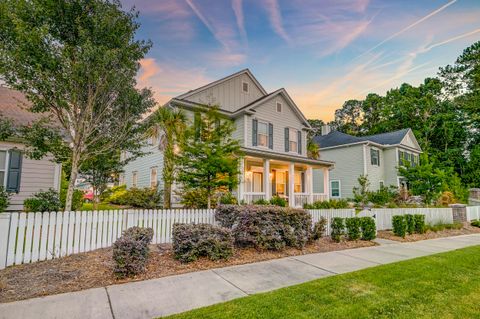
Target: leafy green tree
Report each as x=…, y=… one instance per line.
x=76, y=60
x=171, y=123
x=316, y=127
x=313, y=150
x=209, y=156
x=472, y=170
x=349, y=118
x=6, y=129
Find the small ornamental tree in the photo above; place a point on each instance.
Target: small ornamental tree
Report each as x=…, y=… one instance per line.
x=76, y=61
x=209, y=156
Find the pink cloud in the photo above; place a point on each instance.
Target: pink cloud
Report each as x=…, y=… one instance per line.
x=275, y=17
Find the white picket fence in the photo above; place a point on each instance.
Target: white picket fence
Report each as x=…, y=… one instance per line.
x=473, y=213
x=329, y=214
x=383, y=216
x=26, y=238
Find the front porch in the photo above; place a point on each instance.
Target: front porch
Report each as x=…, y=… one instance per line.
x=263, y=178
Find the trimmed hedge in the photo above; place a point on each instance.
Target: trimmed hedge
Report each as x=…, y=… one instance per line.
x=399, y=224
x=319, y=228
x=410, y=220
x=130, y=251
x=191, y=241
x=403, y=224
x=353, y=228
x=419, y=223
x=338, y=229
x=266, y=227
x=368, y=227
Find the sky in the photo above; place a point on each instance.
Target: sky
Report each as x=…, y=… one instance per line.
x=323, y=52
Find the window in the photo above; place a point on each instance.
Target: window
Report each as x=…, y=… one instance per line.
x=257, y=182
x=293, y=140
x=153, y=177
x=335, y=189
x=3, y=167
x=299, y=182
x=262, y=134
x=375, y=157
x=134, y=179
x=279, y=107
x=404, y=158
x=382, y=184
x=245, y=87
x=280, y=181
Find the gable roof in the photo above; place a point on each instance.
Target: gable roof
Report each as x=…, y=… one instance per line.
x=184, y=96
x=337, y=139
x=15, y=107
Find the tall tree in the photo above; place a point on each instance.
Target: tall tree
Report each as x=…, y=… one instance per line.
x=170, y=125
x=209, y=156
x=76, y=60
x=349, y=117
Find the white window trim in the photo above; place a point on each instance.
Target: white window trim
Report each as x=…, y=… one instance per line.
x=276, y=106
x=378, y=158
x=156, y=174
x=268, y=127
x=5, y=170
x=339, y=188
x=296, y=139
x=248, y=87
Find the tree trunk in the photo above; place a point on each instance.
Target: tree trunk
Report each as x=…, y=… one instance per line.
x=209, y=201
x=167, y=195
x=71, y=182
x=95, y=198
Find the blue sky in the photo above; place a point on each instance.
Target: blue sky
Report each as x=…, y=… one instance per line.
x=322, y=51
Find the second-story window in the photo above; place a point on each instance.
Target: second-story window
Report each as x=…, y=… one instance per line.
x=153, y=177
x=375, y=157
x=134, y=178
x=262, y=134
x=293, y=140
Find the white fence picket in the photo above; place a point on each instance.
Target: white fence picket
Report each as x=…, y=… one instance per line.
x=27, y=255
x=36, y=237
x=473, y=213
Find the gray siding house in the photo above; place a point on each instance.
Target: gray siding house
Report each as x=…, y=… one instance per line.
x=19, y=175
x=272, y=132
x=377, y=156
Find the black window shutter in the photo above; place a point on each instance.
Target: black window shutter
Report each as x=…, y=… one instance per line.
x=299, y=142
x=270, y=136
x=287, y=141
x=254, y=132
x=14, y=171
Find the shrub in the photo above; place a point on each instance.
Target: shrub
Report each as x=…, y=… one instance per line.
x=410, y=220
x=261, y=201
x=475, y=223
x=383, y=196
x=442, y=226
x=4, y=199
x=353, y=228
x=333, y=203
x=147, y=197
x=227, y=199
x=446, y=198
x=113, y=192
x=399, y=224
x=319, y=228
x=419, y=223
x=338, y=229
x=48, y=201
x=194, y=198
x=191, y=241
x=369, y=229
x=130, y=251
x=278, y=201
x=266, y=227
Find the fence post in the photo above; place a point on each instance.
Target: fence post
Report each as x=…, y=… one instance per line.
x=4, y=234
x=459, y=212
x=130, y=218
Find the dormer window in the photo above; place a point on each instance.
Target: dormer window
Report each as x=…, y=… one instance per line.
x=279, y=107
x=245, y=87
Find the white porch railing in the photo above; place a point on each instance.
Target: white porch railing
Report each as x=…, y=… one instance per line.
x=250, y=198
x=318, y=197
x=302, y=199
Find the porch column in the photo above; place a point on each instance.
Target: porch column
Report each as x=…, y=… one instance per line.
x=291, y=181
x=241, y=179
x=266, y=179
x=326, y=182
x=309, y=184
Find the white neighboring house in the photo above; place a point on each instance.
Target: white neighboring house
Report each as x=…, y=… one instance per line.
x=21, y=176
x=272, y=132
x=377, y=156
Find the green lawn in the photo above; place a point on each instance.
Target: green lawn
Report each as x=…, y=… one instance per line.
x=440, y=286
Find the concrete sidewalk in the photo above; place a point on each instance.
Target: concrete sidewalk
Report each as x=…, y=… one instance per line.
x=174, y=294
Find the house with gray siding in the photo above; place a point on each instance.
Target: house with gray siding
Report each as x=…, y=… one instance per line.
x=376, y=156
x=272, y=132
x=20, y=175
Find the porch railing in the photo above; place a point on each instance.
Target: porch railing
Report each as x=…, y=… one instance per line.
x=250, y=198
x=319, y=197
x=301, y=199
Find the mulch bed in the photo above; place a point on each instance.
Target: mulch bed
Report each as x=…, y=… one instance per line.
x=95, y=268
x=466, y=230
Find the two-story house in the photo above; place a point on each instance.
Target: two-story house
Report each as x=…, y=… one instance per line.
x=271, y=130
x=376, y=156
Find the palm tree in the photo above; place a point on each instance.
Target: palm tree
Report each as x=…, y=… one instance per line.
x=169, y=123
x=313, y=150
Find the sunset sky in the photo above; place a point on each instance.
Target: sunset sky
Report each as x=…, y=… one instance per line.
x=322, y=51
